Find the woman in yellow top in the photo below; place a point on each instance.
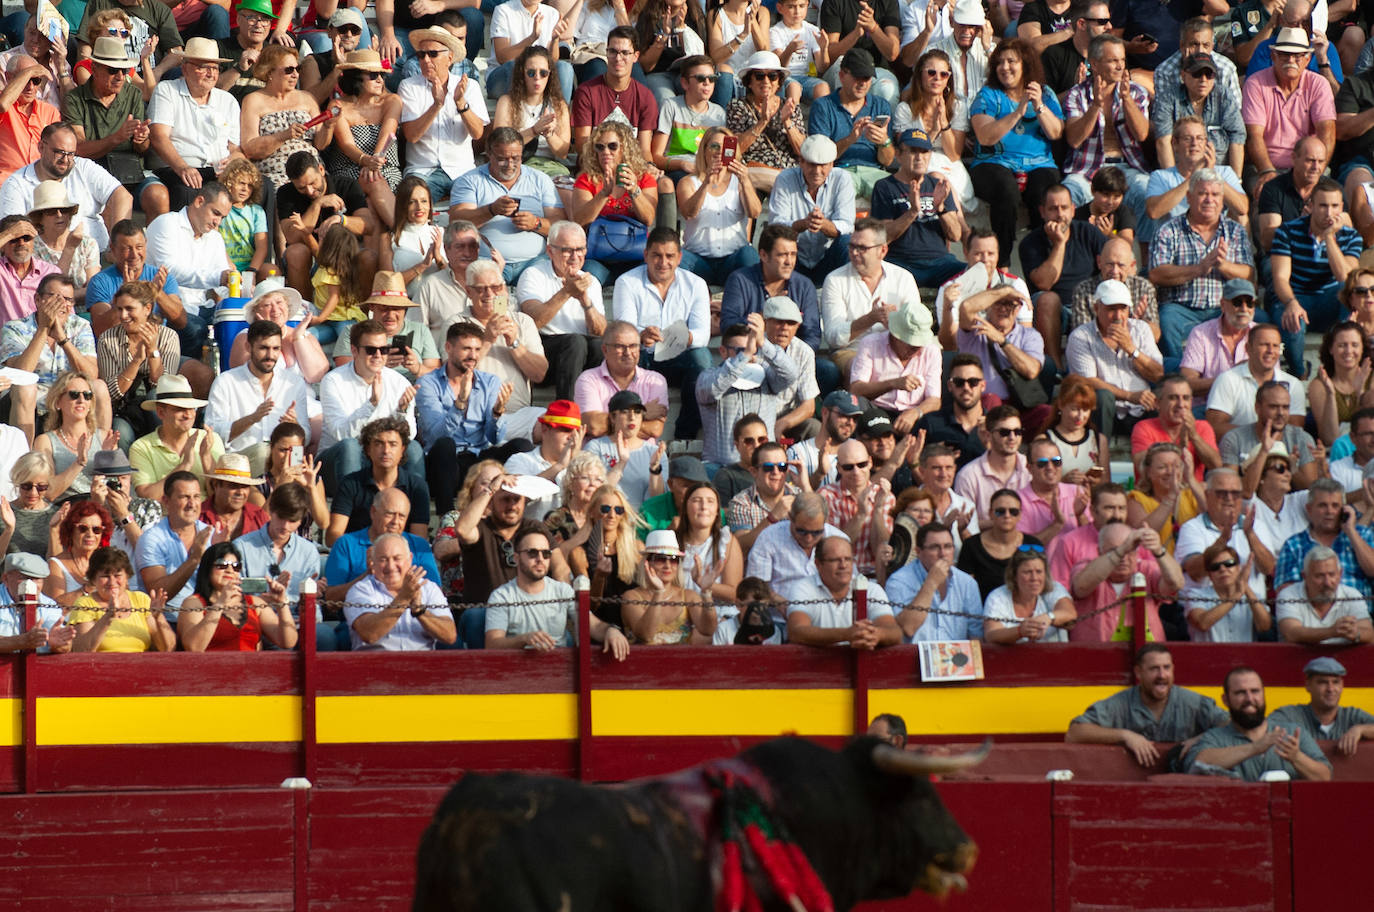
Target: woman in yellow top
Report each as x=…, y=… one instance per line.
x=113, y=619
x=662, y=610
x=1169, y=493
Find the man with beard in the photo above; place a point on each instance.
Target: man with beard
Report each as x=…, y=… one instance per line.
x=1320, y=608
x=1246, y=446
x=1218, y=345
x=1175, y=424
x=767, y=501
x=1154, y=710
x=513, y=348
x=310, y=203
x=1323, y=717
x=1101, y=581
x=457, y=411
x=1002, y=466
x=23, y=113
x=320, y=71
x=487, y=532
x=959, y=421
x=395, y=607
x=518, y=205
x=1056, y=257
x=347, y=561
x=1251, y=745
x=100, y=200
x=249, y=401
x=813, y=460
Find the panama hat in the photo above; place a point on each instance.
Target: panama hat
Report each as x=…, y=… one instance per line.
x=369, y=61
x=275, y=285
x=436, y=33
x=388, y=289
x=203, y=49
x=173, y=389
x=233, y=468
x=51, y=195
x=110, y=51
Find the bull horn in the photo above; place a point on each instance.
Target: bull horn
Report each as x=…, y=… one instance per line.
x=899, y=762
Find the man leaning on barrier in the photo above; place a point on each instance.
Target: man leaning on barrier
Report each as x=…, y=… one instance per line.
x=395, y=608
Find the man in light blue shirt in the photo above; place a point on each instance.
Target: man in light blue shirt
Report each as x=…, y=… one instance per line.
x=168, y=554
x=275, y=549
x=347, y=563
x=817, y=200
x=515, y=205
x=933, y=582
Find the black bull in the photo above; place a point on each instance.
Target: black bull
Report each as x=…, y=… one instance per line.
x=866, y=816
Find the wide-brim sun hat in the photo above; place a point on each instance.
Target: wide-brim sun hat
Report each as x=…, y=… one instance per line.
x=763, y=61
x=436, y=33
x=109, y=51
x=174, y=390
x=369, y=61
x=295, y=304
x=50, y=195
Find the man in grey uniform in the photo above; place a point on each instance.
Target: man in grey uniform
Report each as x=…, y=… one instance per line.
x=1324, y=718
x=1252, y=745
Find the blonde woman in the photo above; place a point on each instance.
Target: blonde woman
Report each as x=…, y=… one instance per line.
x=717, y=203
x=31, y=521
x=614, y=198
x=662, y=610
x=273, y=118
x=611, y=553
x=570, y=523
x=1168, y=494
x=71, y=436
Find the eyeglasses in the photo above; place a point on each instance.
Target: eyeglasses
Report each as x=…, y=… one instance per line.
x=962, y=382
x=624, y=349
x=36, y=83
x=374, y=350
x=226, y=565
x=768, y=467
x=864, y=248
x=39, y=486
x=663, y=559
x=1031, y=548
x=291, y=70
x=1223, y=564
x=607, y=509
x=1006, y=511
x=608, y=147
x=704, y=77
x=74, y=395
x=853, y=466
x=1228, y=493
x=62, y=153
x=1046, y=461
x=1007, y=432
x=937, y=74
x=532, y=73
x=430, y=54
x=619, y=52
x=1362, y=289
x=569, y=250
x=538, y=553
x=92, y=530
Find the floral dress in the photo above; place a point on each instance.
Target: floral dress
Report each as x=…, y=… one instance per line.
x=85, y=259
x=772, y=149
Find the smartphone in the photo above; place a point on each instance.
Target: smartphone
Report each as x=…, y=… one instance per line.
x=253, y=585
x=729, y=148
x=1146, y=36
x=1096, y=474
x=297, y=456
x=400, y=343
x=882, y=120
x=500, y=305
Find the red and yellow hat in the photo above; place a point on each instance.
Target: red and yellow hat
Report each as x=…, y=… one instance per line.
x=562, y=413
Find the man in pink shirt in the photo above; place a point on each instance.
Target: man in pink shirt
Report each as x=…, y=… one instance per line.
x=1002, y=466
x=1283, y=104
x=1219, y=345
x=1105, y=580
x=621, y=371
x=1048, y=506
x=1108, y=506
x=899, y=370
x=20, y=270
x=1176, y=424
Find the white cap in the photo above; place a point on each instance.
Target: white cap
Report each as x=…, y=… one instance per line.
x=969, y=12
x=1112, y=293
x=818, y=149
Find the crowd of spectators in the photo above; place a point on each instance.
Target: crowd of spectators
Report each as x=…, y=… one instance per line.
x=278, y=287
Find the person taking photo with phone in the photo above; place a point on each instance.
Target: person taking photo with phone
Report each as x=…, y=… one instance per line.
x=718, y=203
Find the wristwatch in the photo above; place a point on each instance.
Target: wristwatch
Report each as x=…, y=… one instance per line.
x=417, y=610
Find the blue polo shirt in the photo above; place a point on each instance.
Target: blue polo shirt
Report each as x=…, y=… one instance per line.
x=829, y=118
x=103, y=285
x=300, y=558
x=161, y=547
x=533, y=190
x=744, y=294
x=348, y=557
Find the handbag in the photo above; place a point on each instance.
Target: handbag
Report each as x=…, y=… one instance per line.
x=616, y=240
x=1025, y=393
x=588, y=51
x=126, y=167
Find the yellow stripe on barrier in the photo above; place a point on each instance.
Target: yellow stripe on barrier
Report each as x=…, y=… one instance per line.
x=168, y=720
x=11, y=723
x=665, y=713
x=446, y=717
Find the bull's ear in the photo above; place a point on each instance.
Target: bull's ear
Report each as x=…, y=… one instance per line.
x=907, y=763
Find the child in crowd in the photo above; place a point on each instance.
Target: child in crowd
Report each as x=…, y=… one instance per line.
x=337, y=293
x=244, y=229
x=804, y=51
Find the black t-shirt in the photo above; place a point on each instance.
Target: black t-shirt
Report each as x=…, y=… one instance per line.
x=1038, y=11
x=942, y=427
x=924, y=237
x=1356, y=95
x=1279, y=195
x=987, y=571
x=840, y=16
x=1060, y=63
x=291, y=201
x=1080, y=257
x=358, y=489
x=1123, y=219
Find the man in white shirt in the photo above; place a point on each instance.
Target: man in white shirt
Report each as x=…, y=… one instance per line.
x=822, y=613
x=1231, y=400
x=669, y=305
x=395, y=607
x=967, y=46
x=442, y=297
x=782, y=553
x=817, y=200
x=440, y=115
x=1351, y=470
x=1118, y=357
x=361, y=391
x=188, y=243
x=565, y=303
x=248, y=402
x=195, y=124
x=857, y=298
x=100, y=199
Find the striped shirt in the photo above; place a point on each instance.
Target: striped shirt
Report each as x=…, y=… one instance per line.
x=1311, y=269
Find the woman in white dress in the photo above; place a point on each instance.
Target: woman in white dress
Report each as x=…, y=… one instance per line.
x=414, y=247
x=712, y=558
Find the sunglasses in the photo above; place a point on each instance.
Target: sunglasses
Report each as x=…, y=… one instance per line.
x=1281, y=467
x=538, y=553
x=608, y=147
x=1006, y=511
x=1007, y=432
x=1097, y=21
x=769, y=77
x=704, y=77
x=93, y=530
x=39, y=486
x=227, y=565
x=374, y=77
x=508, y=552
x=532, y=73
x=852, y=466
x=374, y=349
x=809, y=533
x=1031, y=547
x=607, y=509
x=1227, y=564
x=1362, y=289
x=962, y=382
x=349, y=30
x=291, y=70
x=122, y=33
x=37, y=82
x=773, y=466
x=74, y=395
x=1049, y=461
x=937, y=74
x=430, y=54
x=663, y=559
